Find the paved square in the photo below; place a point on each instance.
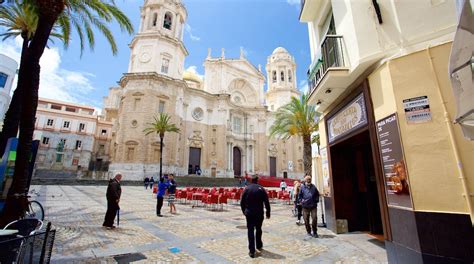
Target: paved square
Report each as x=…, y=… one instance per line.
x=194, y=235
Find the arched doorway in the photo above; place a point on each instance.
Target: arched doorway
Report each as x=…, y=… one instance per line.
x=237, y=164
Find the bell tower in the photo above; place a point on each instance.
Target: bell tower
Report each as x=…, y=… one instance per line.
x=158, y=46
x=281, y=79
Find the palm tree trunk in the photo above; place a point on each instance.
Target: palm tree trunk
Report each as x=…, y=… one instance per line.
x=307, y=161
x=12, y=116
x=161, y=156
x=17, y=201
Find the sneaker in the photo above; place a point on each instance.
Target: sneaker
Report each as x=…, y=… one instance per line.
x=252, y=255
x=298, y=222
x=315, y=235
x=260, y=248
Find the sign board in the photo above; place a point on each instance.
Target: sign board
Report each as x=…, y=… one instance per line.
x=349, y=118
x=290, y=165
x=397, y=186
x=417, y=110
x=325, y=168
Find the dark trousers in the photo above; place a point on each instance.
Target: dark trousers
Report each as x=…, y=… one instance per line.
x=300, y=211
x=314, y=223
x=146, y=185
x=159, y=204
x=112, y=208
x=254, y=232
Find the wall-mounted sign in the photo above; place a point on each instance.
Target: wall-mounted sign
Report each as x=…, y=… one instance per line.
x=396, y=176
x=349, y=118
x=417, y=110
x=290, y=165
x=325, y=168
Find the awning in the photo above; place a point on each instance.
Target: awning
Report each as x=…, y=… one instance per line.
x=461, y=68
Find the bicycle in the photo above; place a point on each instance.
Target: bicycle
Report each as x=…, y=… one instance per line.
x=34, y=209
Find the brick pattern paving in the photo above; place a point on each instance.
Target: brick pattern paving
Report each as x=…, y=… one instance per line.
x=194, y=235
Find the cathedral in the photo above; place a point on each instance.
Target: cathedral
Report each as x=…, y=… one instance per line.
x=224, y=118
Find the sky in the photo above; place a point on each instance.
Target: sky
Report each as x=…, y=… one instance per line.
x=257, y=26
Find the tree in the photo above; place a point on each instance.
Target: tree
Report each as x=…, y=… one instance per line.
x=19, y=19
x=66, y=14
x=297, y=118
x=160, y=126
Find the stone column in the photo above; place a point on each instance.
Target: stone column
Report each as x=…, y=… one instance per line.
x=147, y=19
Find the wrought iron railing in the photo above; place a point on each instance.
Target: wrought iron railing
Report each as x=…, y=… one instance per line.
x=332, y=56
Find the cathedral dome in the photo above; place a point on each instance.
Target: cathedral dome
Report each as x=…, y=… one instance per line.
x=280, y=50
x=191, y=76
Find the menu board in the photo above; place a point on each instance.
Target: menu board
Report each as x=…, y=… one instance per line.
x=325, y=168
x=397, y=186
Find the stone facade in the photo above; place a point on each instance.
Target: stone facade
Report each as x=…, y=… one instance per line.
x=224, y=120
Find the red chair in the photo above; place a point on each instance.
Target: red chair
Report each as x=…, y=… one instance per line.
x=211, y=200
x=223, y=200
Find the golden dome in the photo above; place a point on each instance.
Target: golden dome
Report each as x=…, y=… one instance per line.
x=191, y=76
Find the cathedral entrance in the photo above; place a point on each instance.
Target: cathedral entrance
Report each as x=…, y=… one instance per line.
x=194, y=160
x=273, y=166
x=237, y=165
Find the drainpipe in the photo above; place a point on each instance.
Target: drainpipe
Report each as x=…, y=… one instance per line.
x=454, y=144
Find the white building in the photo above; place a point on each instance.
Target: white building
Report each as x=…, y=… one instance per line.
x=70, y=135
x=8, y=69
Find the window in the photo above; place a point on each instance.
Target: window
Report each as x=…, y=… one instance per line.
x=165, y=65
x=282, y=76
x=62, y=141
x=237, y=125
x=56, y=107
x=161, y=107
x=103, y=132
x=167, y=21
x=130, y=153
x=155, y=18
x=78, y=145
x=198, y=113
x=3, y=79
x=66, y=124
x=45, y=140
x=82, y=127
x=156, y=154
x=136, y=102
x=101, y=149
x=75, y=161
x=50, y=122
x=71, y=109
x=59, y=158
x=289, y=75
x=274, y=76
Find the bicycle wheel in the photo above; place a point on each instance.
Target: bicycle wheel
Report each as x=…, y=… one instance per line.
x=35, y=210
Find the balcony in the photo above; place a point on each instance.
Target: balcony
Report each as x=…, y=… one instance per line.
x=310, y=8
x=332, y=59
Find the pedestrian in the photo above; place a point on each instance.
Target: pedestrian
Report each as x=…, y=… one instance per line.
x=245, y=181
x=283, y=185
x=151, y=182
x=298, y=208
x=114, y=191
x=253, y=199
x=309, y=197
x=162, y=186
x=172, y=193
x=240, y=181
x=146, y=181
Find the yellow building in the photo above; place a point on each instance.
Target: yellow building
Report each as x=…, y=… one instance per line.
x=393, y=162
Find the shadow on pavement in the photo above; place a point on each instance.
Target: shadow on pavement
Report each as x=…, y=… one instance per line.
x=270, y=255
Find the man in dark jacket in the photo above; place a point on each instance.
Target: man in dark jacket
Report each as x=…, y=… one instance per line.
x=309, y=198
x=252, y=202
x=114, y=191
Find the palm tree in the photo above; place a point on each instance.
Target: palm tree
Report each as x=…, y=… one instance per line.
x=81, y=16
x=19, y=19
x=297, y=118
x=160, y=126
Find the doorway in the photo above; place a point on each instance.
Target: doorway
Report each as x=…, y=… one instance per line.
x=354, y=183
x=194, y=160
x=273, y=166
x=237, y=164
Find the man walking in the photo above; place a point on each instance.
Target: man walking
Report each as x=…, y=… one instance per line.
x=114, y=191
x=309, y=197
x=252, y=202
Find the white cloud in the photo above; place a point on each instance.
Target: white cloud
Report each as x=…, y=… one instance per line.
x=193, y=69
x=303, y=86
x=55, y=82
x=189, y=30
x=294, y=2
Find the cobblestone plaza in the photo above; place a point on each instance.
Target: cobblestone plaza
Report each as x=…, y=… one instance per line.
x=194, y=235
